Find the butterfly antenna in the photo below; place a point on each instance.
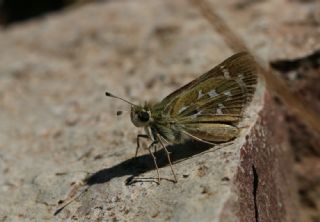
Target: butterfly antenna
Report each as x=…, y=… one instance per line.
x=111, y=95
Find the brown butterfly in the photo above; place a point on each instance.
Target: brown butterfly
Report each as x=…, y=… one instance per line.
x=207, y=109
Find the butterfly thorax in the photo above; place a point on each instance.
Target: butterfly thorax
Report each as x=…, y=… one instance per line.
x=153, y=122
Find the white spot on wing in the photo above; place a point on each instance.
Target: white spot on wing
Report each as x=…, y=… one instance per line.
x=182, y=109
x=196, y=115
x=221, y=105
x=240, y=81
x=225, y=71
x=219, y=110
x=227, y=93
x=213, y=93
x=200, y=94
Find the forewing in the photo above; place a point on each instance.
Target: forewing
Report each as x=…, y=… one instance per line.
x=219, y=95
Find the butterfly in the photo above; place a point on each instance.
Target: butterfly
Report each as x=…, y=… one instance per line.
x=208, y=109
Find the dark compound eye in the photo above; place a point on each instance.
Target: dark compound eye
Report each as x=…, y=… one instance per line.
x=144, y=116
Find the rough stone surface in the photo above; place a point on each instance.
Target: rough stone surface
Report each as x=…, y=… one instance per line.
x=265, y=175
x=57, y=127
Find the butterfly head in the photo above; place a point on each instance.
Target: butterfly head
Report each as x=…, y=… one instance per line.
x=140, y=115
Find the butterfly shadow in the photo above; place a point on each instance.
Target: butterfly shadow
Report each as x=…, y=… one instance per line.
x=144, y=163
x=136, y=166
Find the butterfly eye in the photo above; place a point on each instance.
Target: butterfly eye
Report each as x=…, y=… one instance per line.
x=144, y=116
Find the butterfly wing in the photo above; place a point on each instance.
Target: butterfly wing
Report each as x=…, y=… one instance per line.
x=214, y=102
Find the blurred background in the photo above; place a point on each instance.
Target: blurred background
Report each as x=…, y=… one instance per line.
x=17, y=10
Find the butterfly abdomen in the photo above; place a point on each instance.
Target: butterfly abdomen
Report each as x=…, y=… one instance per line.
x=213, y=132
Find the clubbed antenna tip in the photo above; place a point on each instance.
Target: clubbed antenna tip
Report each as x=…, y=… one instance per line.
x=117, y=97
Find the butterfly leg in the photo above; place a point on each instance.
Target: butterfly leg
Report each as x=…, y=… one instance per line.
x=169, y=159
x=138, y=142
x=154, y=158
